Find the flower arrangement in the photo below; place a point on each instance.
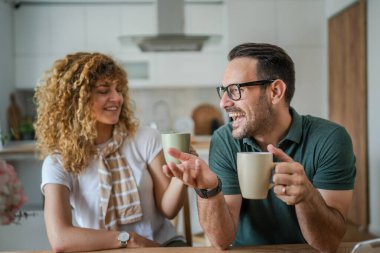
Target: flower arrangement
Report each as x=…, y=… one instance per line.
x=12, y=195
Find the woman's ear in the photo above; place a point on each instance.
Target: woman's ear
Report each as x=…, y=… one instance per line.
x=278, y=88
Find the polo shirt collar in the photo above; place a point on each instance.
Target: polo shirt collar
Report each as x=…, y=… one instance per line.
x=294, y=134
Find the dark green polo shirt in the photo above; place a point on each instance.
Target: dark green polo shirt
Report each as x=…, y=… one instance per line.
x=322, y=147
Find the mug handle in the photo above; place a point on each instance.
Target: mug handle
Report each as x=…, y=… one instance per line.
x=271, y=184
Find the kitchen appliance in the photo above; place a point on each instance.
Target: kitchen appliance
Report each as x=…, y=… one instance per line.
x=171, y=31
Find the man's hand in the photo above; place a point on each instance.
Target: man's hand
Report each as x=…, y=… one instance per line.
x=192, y=170
x=291, y=184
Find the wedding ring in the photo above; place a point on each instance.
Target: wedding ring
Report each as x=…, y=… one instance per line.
x=284, y=190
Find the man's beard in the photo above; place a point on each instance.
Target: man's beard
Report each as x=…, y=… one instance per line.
x=260, y=124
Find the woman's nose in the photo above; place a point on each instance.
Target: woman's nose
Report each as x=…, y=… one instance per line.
x=116, y=95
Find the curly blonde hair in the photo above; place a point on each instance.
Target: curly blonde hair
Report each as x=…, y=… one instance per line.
x=65, y=122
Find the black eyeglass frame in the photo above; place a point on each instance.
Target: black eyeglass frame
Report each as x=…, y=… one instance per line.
x=239, y=85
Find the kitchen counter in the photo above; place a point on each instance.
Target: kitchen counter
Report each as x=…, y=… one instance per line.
x=22, y=150
x=19, y=150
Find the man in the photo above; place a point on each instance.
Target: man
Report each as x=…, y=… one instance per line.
x=313, y=181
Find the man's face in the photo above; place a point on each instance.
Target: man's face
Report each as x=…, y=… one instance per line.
x=252, y=114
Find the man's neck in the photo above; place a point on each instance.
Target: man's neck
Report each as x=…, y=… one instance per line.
x=277, y=131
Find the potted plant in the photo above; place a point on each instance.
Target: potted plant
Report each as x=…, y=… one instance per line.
x=27, y=130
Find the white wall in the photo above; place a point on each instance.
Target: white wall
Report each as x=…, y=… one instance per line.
x=373, y=8
x=6, y=60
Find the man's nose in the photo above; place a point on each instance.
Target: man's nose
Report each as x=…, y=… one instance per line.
x=225, y=101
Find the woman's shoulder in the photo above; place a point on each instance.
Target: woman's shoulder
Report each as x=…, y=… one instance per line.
x=144, y=136
x=145, y=131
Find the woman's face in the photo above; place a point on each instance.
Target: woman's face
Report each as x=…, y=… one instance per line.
x=107, y=101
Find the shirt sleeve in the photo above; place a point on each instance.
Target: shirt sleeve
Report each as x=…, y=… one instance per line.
x=222, y=161
x=336, y=162
x=53, y=173
x=150, y=141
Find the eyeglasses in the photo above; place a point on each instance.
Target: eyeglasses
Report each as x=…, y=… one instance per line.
x=233, y=90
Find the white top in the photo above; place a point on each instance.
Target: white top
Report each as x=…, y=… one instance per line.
x=84, y=188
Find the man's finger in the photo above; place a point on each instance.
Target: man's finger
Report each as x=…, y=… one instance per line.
x=279, y=154
x=179, y=155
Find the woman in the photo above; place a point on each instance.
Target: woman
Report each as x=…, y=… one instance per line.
x=99, y=165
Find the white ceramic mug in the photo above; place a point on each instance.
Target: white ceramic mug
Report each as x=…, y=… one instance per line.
x=254, y=173
x=180, y=141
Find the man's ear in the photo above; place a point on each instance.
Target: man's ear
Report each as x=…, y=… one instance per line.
x=277, y=88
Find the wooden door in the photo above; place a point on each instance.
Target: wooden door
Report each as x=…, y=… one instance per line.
x=348, y=93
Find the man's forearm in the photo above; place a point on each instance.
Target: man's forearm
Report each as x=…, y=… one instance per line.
x=217, y=221
x=322, y=226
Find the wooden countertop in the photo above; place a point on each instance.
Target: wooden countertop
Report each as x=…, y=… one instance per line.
x=19, y=150
x=201, y=141
x=19, y=147
x=345, y=247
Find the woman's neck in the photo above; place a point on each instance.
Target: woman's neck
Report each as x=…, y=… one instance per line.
x=104, y=133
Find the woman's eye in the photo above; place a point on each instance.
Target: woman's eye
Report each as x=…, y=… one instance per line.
x=103, y=91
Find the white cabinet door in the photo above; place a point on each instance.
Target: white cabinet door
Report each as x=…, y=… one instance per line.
x=251, y=21
x=189, y=69
x=30, y=68
x=68, y=29
x=139, y=19
x=204, y=18
x=32, y=30
x=103, y=28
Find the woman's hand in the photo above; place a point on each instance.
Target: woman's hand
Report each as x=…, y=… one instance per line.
x=137, y=241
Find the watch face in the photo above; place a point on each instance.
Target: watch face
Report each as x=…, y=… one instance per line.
x=123, y=237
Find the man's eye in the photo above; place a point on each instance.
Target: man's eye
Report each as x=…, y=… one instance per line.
x=233, y=89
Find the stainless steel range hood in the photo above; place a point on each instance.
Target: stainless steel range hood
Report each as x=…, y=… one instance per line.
x=171, y=26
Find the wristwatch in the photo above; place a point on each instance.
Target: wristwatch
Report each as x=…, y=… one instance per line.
x=205, y=193
x=123, y=238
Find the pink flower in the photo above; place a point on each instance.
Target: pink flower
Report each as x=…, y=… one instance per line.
x=12, y=195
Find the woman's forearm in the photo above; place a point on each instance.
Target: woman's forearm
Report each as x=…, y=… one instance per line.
x=173, y=198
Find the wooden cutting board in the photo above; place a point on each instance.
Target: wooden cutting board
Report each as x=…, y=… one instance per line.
x=206, y=117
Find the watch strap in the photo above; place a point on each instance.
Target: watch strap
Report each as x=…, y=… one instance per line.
x=206, y=193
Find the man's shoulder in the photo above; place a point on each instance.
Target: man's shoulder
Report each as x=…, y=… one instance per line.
x=224, y=130
x=223, y=133
x=323, y=129
x=320, y=124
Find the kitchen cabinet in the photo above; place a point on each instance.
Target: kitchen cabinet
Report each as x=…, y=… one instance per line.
x=250, y=21
x=44, y=33
x=190, y=69
x=204, y=17
x=288, y=23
